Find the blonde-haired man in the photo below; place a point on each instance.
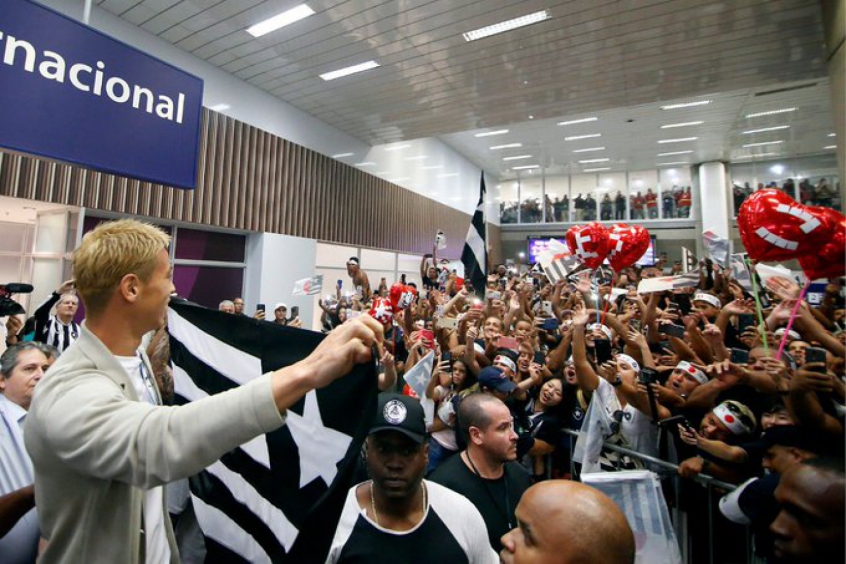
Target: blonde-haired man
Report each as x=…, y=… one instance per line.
x=101, y=445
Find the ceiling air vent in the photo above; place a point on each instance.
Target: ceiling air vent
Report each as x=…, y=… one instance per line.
x=783, y=90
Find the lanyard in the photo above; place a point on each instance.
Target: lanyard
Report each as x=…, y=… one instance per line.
x=147, y=379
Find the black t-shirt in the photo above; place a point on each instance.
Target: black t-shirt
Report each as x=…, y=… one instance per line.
x=496, y=500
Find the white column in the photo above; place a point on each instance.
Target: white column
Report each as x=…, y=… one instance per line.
x=714, y=198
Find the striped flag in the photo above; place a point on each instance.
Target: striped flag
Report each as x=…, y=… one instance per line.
x=308, y=286
x=475, y=253
x=664, y=283
x=557, y=262
x=278, y=497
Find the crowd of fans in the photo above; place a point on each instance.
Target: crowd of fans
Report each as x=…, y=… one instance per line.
x=689, y=376
x=822, y=193
x=674, y=203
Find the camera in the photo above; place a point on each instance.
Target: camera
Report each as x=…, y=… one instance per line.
x=8, y=306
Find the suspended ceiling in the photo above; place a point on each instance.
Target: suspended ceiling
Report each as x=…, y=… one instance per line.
x=607, y=58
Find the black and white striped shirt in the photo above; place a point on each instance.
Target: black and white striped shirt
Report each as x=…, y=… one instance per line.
x=50, y=330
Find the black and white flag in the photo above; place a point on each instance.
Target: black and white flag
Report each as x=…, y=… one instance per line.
x=475, y=253
x=278, y=497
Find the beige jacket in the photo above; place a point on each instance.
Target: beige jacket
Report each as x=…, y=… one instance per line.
x=95, y=448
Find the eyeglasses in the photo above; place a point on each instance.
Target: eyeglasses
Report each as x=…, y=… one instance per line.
x=618, y=417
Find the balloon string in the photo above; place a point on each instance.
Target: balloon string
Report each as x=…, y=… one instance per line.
x=792, y=319
x=762, y=328
x=607, y=299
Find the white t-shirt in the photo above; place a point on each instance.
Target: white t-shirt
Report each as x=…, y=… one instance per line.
x=157, y=549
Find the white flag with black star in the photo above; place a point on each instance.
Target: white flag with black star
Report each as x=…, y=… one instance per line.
x=278, y=497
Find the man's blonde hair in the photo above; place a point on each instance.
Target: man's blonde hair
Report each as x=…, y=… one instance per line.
x=111, y=251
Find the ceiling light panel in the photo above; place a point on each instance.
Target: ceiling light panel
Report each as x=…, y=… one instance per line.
x=346, y=71
x=342, y=155
x=577, y=137
x=682, y=124
x=763, y=129
x=764, y=143
x=671, y=153
x=491, y=133
x=507, y=25
x=280, y=20
x=771, y=112
x=586, y=161
x=672, y=163
x=686, y=105
x=525, y=167
x=507, y=146
x=678, y=140
x=588, y=149
x=398, y=147
x=575, y=121
x=517, y=157
x=596, y=169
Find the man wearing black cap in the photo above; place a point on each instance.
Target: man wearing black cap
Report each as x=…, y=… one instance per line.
x=486, y=472
x=398, y=516
x=753, y=503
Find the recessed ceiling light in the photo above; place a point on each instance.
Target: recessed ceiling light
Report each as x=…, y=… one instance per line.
x=755, y=155
x=342, y=155
x=507, y=25
x=365, y=164
x=771, y=112
x=517, y=158
x=577, y=137
x=686, y=105
x=280, y=20
x=672, y=163
x=763, y=143
x=508, y=146
x=491, y=133
x=346, y=71
x=525, y=167
x=398, y=147
x=432, y=167
x=682, y=124
x=589, y=150
x=678, y=140
x=830, y=147
x=671, y=153
x=417, y=158
x=575, y=121
x=219, y=107
x=763, y=129
x=586, y=161
x=596, y=169
x=832, y=135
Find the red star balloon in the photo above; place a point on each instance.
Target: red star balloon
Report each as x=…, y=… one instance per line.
x=402, y=296
x=382, y=311
x=589, y=243
x=627, y=244
x=775, y=227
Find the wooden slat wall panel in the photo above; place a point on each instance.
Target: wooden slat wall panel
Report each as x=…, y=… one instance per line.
x=249, y=179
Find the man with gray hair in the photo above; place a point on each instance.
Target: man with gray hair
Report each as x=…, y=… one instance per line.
x=227, y=306
x=59, y=330
x=21, y=367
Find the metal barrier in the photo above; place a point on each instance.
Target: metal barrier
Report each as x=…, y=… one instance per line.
x=668, y=470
